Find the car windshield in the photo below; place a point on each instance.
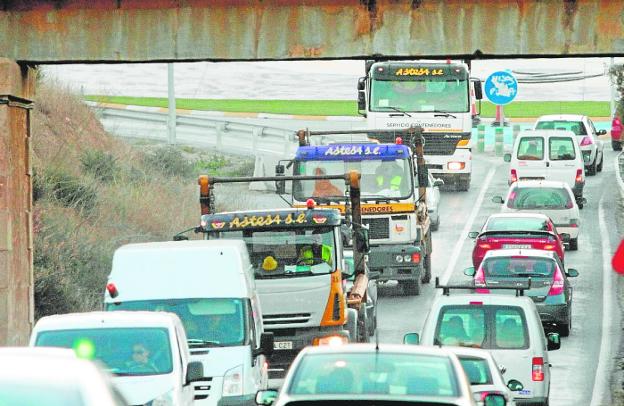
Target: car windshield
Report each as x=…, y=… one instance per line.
x=576, y=127
x=368, y=373
x=289, y=253
x=381, y=179
x=208, y=322
x=16, y=392
x=477, y=370
x=552, y=198
x=431, y=94
x=123, y=351
x=516, y=224
x=518, y=267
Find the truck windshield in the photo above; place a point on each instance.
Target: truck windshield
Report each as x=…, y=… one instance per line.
x=289, y=253
x=423, y=95
x=123, y=351
x=381, y=179
x=211, y=322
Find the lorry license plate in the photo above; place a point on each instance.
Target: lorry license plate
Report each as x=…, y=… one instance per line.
x=282, y=345
x=517, y=246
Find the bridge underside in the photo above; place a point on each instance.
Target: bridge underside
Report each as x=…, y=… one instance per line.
x=54, y=31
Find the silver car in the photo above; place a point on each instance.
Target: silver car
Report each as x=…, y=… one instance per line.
x=592, y=148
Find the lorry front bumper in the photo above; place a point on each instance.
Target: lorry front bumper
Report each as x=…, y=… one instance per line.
x=450, y=165
x=384, y=259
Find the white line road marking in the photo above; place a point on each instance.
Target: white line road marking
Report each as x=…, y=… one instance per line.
x=462, y=237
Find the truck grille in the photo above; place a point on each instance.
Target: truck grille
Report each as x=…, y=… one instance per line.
x=202, y=388
x=288, y=318
x=378, y=228
x=442, y=144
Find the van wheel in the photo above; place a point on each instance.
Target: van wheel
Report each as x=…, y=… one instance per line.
x=411, y=288
x=574, y=244
x=599, y=168
x=591, y=169
x=616, y=145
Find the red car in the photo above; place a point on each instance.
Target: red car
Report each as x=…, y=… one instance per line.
x=517, y=230
x=616, y=134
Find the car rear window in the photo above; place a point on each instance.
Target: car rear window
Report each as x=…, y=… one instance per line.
x=576, y=127
x=518, y=267
x=527, y=198
x=482, y=326
x=531, y=149
x=477, y=370
x=516, y=224
x=561, y=149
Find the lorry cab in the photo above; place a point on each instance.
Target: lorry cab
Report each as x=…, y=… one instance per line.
x=146, y=352
x=210, y=286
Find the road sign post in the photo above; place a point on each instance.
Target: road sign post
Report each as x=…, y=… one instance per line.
x=501, y=88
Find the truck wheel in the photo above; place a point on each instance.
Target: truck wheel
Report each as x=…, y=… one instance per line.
x=591, y=169
x=411, y=288
x=426, y=278
x=362, y=324
x=463, y=185
x=616, y=145
x=352, y=324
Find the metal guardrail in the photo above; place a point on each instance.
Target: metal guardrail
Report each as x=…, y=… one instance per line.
x=224, y=135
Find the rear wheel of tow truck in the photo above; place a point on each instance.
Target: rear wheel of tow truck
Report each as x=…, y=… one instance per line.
x=411, y=288
x=463, y=184
x=573, y=244
x=363, y=327
x=426, y=278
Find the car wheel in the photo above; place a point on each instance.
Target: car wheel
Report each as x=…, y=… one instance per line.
x=411, y=288
x=565, y=328
x=599, y=167
x=616, y=145
x=591, y=169
x=574, y=244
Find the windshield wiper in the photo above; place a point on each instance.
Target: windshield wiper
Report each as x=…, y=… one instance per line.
x=196, y=342
x=398, y=110
x=442, y=113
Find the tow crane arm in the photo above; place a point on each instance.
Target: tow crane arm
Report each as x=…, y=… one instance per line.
x=353, y=217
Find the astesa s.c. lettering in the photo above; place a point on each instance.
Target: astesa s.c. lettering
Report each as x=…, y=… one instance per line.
x=419, y=72
x=259, y=221
x=340, y=150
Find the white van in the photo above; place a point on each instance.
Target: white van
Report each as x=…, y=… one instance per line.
x=146, y=352
x=548, y=155
x=210, y=286
x=509, y=327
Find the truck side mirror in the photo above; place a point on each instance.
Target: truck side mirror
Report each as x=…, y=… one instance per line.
x=280, y=185
x=565, y=237
x=194, y=371
x=363, y=243
x=478, y=89
x=554, y=342
x=361, y=86
x=266, y=344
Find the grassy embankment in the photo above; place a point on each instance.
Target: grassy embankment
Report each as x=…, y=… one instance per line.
x=527, y=109
x=93, y=193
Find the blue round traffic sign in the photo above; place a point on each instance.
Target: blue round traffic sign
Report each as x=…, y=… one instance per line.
x=501, y=87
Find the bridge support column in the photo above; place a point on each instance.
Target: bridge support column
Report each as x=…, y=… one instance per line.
x=16, y=248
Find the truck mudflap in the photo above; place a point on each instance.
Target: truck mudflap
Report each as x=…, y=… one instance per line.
x=460, y=181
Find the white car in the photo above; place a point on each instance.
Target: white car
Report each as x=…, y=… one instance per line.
x=584, y=129
x=53, y=377
x=509, y=327
x=366, y=373
x=554, y=199
x=433, y=201
x=485, y=375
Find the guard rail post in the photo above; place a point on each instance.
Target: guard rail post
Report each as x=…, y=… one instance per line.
x=481, y=138
x=498, y=141
x=219, y=130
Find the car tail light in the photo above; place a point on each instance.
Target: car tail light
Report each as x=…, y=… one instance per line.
x=549, y=247
x=112, y=290
x=416, y=257
x=557, y=286
x=479, y=281
x=574, y=223
x=537, y=369
x=484, y=245
x=514, y=176
x=586, y=141
x=579, y=176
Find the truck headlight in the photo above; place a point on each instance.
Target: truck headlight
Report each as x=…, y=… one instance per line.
x=233, y=382
x=456, y=166
x=166, y=399
x=399, y=258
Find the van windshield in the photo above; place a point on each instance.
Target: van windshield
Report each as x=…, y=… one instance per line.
x=208, y=322
x=123, y=351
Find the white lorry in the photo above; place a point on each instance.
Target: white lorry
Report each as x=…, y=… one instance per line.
x=435, y=96
x=210, y=286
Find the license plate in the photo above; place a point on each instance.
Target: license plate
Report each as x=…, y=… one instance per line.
x=282, y=345
x=517, y=246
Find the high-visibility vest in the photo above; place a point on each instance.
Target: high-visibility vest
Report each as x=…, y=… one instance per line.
x=307, y=254
x=395, y=182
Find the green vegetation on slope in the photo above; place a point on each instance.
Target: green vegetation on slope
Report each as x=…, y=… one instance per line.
x=349, y=108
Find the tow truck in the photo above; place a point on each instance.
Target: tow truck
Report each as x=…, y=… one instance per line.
x=397, y=220
x=303, y=300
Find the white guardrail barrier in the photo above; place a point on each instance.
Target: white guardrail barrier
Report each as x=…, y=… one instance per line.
x=267, y=144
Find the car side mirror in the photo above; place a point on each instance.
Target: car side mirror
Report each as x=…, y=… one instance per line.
x=565, y=237
x=438, y=182
x=494, y=399
x=473, y=234
x=507, y=157
x=601, y=132
x=515, y=385
x=554, y=341
x=572, y=273
x=411, y=339
x=194, y=372
x=266, y=397
x=280, y=185
x=497, y=199
x=469, y=271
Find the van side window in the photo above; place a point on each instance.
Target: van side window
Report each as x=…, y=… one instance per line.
x=561, y=149
x=510, y=329
x=531, y=149
x=461, y=325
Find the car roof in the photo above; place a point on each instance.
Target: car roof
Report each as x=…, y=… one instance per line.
x=37, y=352
x=519, y=252
x=182, y=245
x=562, y=117
x=545, y=133
x=41, y=363
x=470, y=352
x=483, y=300
x=519, y=215
x=539, y=183
x=354, y=348
x=102, y=319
